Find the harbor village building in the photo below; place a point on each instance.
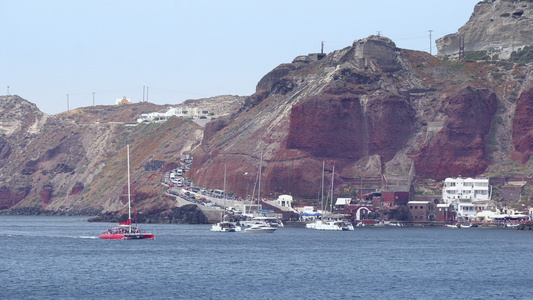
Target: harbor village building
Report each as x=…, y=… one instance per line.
x=468, y=196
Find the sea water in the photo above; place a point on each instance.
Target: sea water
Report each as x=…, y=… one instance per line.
x=62, y=258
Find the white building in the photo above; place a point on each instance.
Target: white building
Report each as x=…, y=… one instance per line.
x=468, y=196
x=173, y=112
x=284, y=201
x=160, y=117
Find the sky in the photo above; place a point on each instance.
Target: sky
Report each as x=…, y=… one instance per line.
x=64, y=54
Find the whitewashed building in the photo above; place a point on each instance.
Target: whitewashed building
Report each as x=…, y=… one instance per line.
x=173, y=112
x=468, y=196
x=160, y=117
x=284, y=201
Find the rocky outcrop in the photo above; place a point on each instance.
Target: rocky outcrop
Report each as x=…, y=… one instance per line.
x=377, y=51
x=11, y=196
x=345, y=109
x=343, y=126
x=75, y=161
x=329, y=126
x=502, y=25
x=522, y=135
x=19, y=116
x=186, y=214
x=214, y=126
x=459, y=147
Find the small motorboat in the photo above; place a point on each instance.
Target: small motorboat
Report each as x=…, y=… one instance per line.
x=225, y=227
x=260, y=228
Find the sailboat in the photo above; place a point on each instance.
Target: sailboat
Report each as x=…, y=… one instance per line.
x=260, y=227
x=332, y=223
x=225, y=226
x=126, y=231
x=312, y=225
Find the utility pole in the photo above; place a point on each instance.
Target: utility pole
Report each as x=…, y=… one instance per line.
x=144, y=87
x=68, y=109
x=322, y=48
x=93, y=98
x=430, y=44
x=147, y=93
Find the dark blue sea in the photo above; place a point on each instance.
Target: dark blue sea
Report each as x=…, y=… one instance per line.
x=62, y=258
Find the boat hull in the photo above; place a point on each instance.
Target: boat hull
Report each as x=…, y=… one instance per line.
x=132, y=236
x=260, y=229
x=225, y=227
x=126, y=233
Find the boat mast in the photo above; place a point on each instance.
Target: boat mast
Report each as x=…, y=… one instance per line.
x=224, y=210
x=129, y=191
x=259, y=185
x=331, y=203
x=322, y=199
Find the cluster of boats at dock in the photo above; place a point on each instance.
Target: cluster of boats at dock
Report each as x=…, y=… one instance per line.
x=270, y=224
x=263, y=223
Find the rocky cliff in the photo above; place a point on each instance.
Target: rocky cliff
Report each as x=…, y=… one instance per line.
x=369, y=110
x=75, y=162
x=500, y=26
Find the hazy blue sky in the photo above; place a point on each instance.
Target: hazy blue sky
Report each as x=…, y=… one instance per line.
x=189, y=49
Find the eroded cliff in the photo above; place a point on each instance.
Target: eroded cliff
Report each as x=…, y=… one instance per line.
x=369, y=110
x=500, y=26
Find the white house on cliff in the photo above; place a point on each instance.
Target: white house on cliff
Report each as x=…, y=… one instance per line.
x=173, y=112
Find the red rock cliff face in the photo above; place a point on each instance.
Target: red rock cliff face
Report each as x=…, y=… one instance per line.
x=337, y=126
x=391, y=123
x=9, y=197
x=459, y=148
x=328, y=127
x=523, y=127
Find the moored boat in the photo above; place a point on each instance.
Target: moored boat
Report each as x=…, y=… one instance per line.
x=328, y=225
x=331, y=221
x=261, y=226
x=311, y=225
x=265, y=228
x=395, y=224
x=272, y=221
x=511, y=225
x=458, y=225
x=347, y=226
x=225, y=226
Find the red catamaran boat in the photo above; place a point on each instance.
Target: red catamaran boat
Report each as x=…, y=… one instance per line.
x=125, y=231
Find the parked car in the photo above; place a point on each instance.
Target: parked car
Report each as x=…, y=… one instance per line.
x=218, y=193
